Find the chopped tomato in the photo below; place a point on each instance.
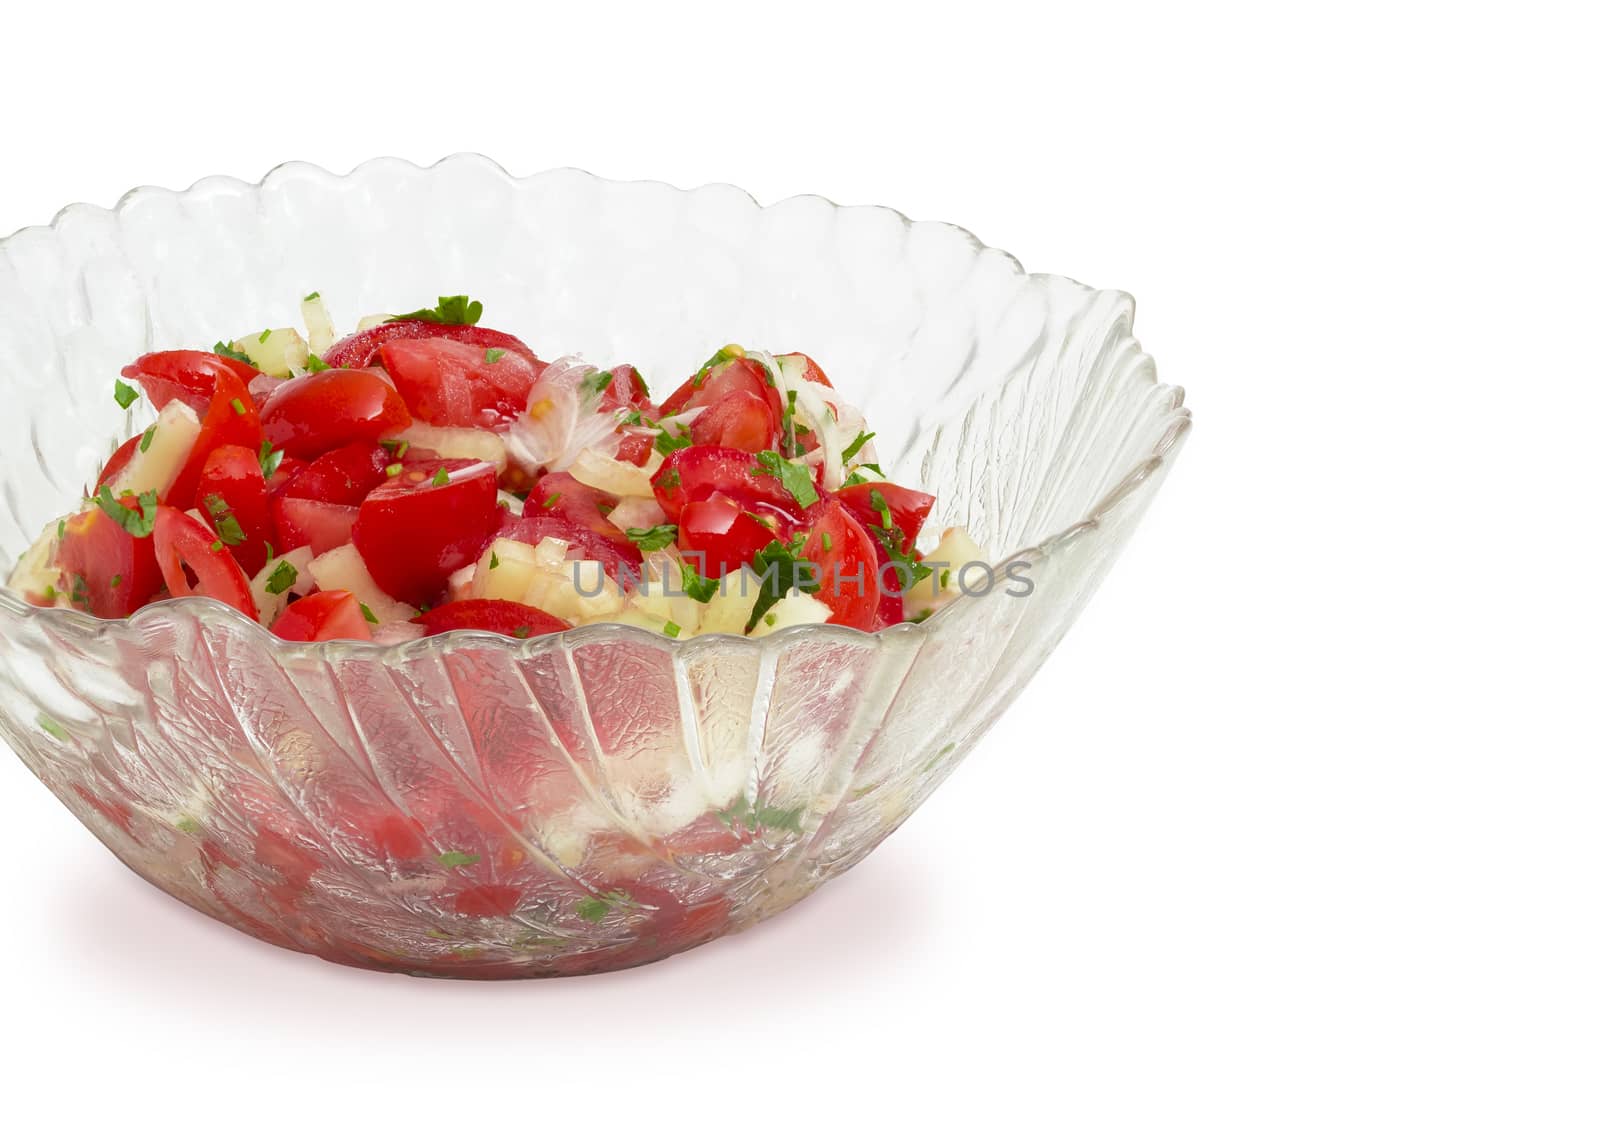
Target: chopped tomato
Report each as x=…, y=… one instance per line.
x=323, y=617
x=634, y=449
x=109, y=572
x=696, y=472
x=343, y=476
x=581, y=542
x=233, y=496
x=496, y=615
x=190, y=376
x=360, y=349
x=723, y=533
x=739, y=420
x=323, y=526
x=231, y=420
x=421, y=526
x=314, y=414
x=810, y=372
x=626, y=389
x=846, y=567
x=117, y=463
x=730, y=376
x=563, y=496
x=182, y=542
x=894, y=540
x=447, y=383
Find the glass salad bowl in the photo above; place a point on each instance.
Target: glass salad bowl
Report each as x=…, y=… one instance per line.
x=471, y=805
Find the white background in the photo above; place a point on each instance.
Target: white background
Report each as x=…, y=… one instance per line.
x=1292, y=842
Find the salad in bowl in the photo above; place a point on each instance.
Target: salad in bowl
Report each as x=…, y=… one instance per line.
x=439, y=649
x=429, y=474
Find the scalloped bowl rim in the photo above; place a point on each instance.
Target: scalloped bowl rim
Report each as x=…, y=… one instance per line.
x=209, y=611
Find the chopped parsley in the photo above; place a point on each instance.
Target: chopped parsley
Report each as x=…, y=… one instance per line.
x=393, y=469
x=315, y=295
x=521, y=632
x=494, y=560
x=595, y=382
x=672, y=629
x=854, y=448
x=649, y=538
x=147, y=438
x=238, y=406
x=552, y=500
x=116, y=580
x=366, y=612
x=795, y=476
x=265, y=335
x=493, y=355
x=269, y=459
x=138, y=523
x=922, y=615
x=314, y=363
x=216, y=546
x=124, y=394
x=780, y=569
x=441, y=477
x=855, y=479
x=228, y=351
x=453, y=311
x=666, y=442
x=669, y=479
x=52, y=727
x=283, y=576
x=699, y=588
x=395, y=446
x=827, y=541
x=454, y=859
x=725, y=355
x=61, y=528
x=791, y=439
x=228, y=528
x=901, y=554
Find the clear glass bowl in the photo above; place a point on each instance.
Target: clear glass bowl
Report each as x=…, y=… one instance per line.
x=474, y=806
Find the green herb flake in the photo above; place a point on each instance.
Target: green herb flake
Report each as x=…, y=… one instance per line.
x=669, y=479
x=52, y=727
x=313, y=297
x=61, y=528
x=229, y=351
x=116, y=580
x=771, y=619
x=269, y=460
x=672, y=629
x=827, y=541
x=854, y=448
x=796, y=477
x=124, y=394
x=780, y=571
x=699, y=588
x=283, y=576
x=922, y=615
x=855, y=479
x=593, y=909
x=238, y=406
x=667, y=442
x=147, y=438
x=393, y=469
x=138, y=523
x=454, y=859
x=494, y=560
x=441, y=477
x=521, y=632
x=596, y=382
x=452, y=311
x=552, y=500
x=649, y=538
x=314, y=363
x=366, y=612
x=493, y=355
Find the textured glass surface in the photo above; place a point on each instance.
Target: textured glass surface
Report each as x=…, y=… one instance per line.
x=470, y=805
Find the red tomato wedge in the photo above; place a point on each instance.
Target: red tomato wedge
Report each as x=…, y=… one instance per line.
x=847, y=568
x=190, y=376
x=231, y=420
x=561, y=495
x=731, y=376
x=581, y=542
x=723, y=533
x=181, y=543
x=739, y=420
x=117, y=462
x=343, y=477
x=314, y=414
x=421, y=526
x=360, y=349
x=323, y=617
x=233, y=496
x=907, y=510
x=109, y=572
x=625, y=390
x=496, y=615
x=448, y=383
x=323, y=526
x=696, y=472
